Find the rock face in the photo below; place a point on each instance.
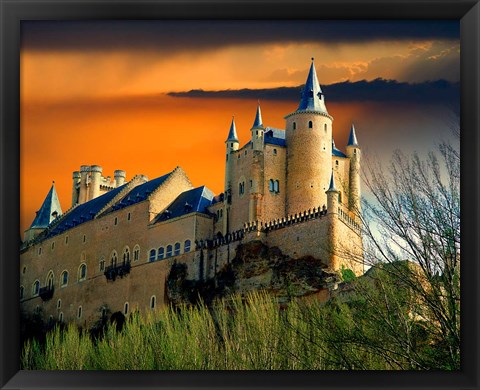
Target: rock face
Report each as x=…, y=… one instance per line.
x=255, y=267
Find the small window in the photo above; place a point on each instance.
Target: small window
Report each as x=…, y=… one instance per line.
x=186, y=246
x=115, y=221
x=22, y=290
x=79, y=313
x=177, y=249
x=231, y=145
x=354, y=152
x=101, y=265
x=161, y=253
x=113, y=259
x=271, y=186
x=129, y=217
x=60, y=317
x=274, y=152
x=294, y=125
x=82, y=273
x=50, y=278
x=276, y=186
x=66, y=240
x=153, y=254
x=84, y=238
x=24, y=270
x=36, y=288
x=64, y=279
x=53, y=246
x=126, y=256
x=325, y=127
x=251, y=183
x=336, y=163
x=39, y=251
x=136, y=253
x=125, y=308
x=59, y=304
x=169, y=250
x=310, y=124
x=246, y=151
x=152, y=302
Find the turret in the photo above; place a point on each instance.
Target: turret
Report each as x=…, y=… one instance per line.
x=232, y=145
x=332, y=196
x=309, y=149
x=354, y=154
x=84, y=183
x=258, y=131
x=119, y=177
x=95, y=179
x=332, y=212
x=75, y=187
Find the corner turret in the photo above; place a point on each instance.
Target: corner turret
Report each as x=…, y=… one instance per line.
x=354, y=154
x=258, y=131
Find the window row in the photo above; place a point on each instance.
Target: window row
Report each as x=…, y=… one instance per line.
x=169, y=251
x=310, y=126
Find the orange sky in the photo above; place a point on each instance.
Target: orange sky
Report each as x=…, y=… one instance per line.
x=110, y=108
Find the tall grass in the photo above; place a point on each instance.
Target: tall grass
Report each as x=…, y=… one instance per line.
x=239, y=333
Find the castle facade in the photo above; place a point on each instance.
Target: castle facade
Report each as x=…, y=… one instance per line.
x=113, y=249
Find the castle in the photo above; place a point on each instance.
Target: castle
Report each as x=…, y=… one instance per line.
x=113, y=249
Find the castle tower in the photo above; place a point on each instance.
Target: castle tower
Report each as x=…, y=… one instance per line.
x=257, y=131
x=75, y=189
x=119, y=177
x=354, y=154
x=84, y=183
x=309, y=149
x=96, y=177
x=332, y=212
x=232, y=145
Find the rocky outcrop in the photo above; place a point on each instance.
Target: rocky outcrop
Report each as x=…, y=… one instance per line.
x=255, y=267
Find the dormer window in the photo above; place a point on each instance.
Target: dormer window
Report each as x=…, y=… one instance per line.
x=167, y=214
x=188, y=206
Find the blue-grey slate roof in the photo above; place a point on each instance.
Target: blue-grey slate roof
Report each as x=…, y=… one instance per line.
x=191, y=201
x=232, y=134
x=312, y=96
x=274, y=136
x=84, y=212
x=352, y=139
x=258, y=122
x=50, y=205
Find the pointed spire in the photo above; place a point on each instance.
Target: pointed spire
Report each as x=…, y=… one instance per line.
x=312, y=95
x=232, y=134
x=258, y=118
x=352, y=139
x=332, y=187
x=49, y=211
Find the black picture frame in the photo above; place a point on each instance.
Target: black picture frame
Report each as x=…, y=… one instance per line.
x=13, y=12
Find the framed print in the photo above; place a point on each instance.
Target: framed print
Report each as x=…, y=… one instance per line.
x=240, y=194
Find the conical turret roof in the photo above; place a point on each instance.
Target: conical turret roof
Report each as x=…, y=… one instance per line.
x=50, y=206
x=352, y=139
x=332, y=187
x=312, y=95
x=232, y=134
x=258, y=118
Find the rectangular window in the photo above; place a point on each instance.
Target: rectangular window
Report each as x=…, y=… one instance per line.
x=102, y=265
x=128, y=217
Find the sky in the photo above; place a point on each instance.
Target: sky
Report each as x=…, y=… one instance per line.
x=146, y=96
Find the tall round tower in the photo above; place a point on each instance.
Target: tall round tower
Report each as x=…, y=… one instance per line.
x=232, y=145
x=96, y=175
x=354, y=154
x=309, y=149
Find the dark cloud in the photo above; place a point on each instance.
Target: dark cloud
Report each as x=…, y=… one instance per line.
x=378, y=90
x=173, y=36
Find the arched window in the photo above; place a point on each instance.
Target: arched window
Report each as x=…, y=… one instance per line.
x=186, y=246
x=125, y=308
x=276, y=186
x=64, y=279
x=153, y=254
x=169, y=250
x=310, y=124
x=136, y=253
x=177, y=249
x=22, y=289
x=59, y=304
x=24, y=270
x=60, y=317
x=36, y=288
x=271, y=185
x=49, y=281
x=161, y=253
x=294, y=125
x=126, y=255
x=82, y=272
x=274, y=152
x=152, y=302
x=101, y=264
x=79, y=312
